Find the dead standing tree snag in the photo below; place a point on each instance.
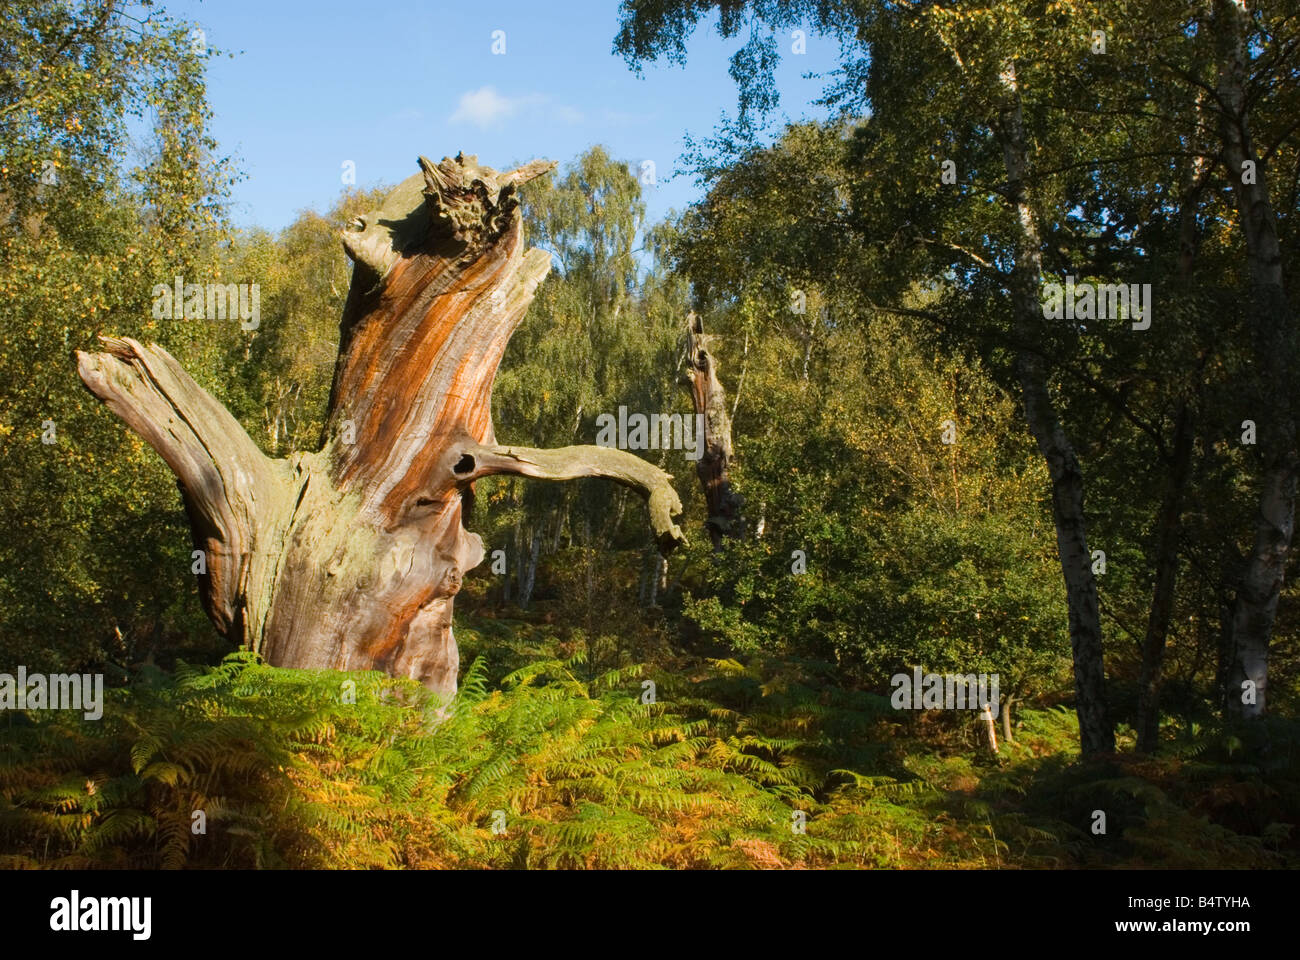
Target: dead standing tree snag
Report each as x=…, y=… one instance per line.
x=349, y=558
x=714, y=465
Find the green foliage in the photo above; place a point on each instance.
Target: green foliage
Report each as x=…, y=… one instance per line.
x=579, y=773
x=285, y=374
x=768, y=680
x=602, y=332
x=918, y=551
x=94, y=555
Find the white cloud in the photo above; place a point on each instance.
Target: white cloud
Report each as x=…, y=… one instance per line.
x=485, y=108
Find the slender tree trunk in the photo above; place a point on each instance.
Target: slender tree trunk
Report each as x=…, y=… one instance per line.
x=1168, y=531
x=1169, y=522
x=519, y=562
x=990, y=730
x=589, y=556
x=612, y=530
x=713, y=467
x=349, y=558
x=643, y=582
x=1227, y=649
x=652, y=598
x=1273, y=344
x=561, y=517
x=530, y=574
x=1095, y=731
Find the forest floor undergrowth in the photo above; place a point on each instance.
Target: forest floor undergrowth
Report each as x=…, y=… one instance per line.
x=550, y=757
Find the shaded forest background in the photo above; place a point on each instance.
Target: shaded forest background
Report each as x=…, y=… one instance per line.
x=856, y=307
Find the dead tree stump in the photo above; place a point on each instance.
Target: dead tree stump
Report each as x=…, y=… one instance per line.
x=349, y=558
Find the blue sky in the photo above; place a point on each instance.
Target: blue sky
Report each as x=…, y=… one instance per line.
x=314, y=84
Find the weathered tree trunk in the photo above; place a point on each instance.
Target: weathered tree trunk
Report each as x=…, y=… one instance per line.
x=1273, y=345
x=1096, y=735
x=713, y=467
x=349, y=558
